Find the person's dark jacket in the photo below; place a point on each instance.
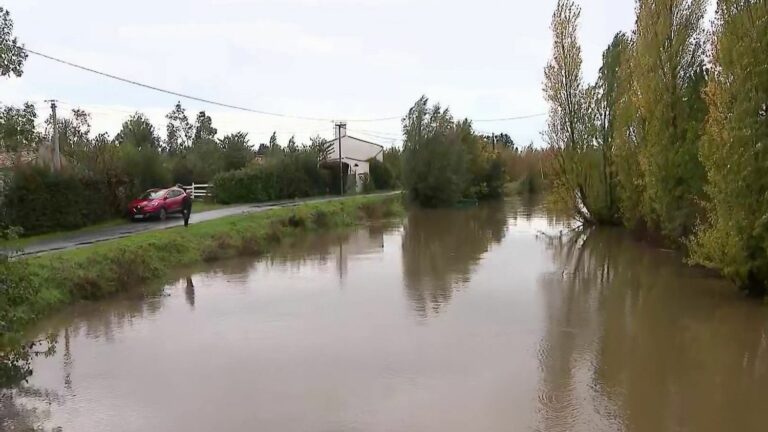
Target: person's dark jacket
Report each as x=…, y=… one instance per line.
x=186, y=203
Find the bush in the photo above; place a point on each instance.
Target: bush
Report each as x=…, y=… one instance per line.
x=382, y=177
x=288, y=176
x=445, y=161
x=525, y=169
x=435, y=171
x=494, y=178
x=144, y=168
x=39, y=201
x=393, y=161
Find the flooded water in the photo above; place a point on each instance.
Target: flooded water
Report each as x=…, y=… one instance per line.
x=483, y=319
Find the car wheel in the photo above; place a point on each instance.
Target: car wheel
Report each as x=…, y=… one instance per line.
x=163, y=214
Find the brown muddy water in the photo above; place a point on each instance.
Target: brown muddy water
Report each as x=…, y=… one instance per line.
x=481, y=319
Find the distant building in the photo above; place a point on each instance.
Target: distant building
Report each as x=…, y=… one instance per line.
x=355, y=154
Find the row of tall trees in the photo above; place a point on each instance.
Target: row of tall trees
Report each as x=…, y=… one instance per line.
x=672, y=136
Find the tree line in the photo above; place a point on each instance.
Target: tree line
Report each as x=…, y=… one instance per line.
x=101, y=173
x=672, y=137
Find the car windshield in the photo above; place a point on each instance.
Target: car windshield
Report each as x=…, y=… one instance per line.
x=152, y=194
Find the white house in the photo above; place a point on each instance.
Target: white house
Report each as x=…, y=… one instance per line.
x=355, y=154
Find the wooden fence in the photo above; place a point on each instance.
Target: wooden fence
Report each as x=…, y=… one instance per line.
x=200, y=191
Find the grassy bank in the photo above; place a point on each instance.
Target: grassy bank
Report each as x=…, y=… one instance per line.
x=32, y=287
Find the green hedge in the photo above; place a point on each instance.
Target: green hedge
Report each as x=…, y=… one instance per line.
x=382, y=176
x=40, y=201
x=285, y=177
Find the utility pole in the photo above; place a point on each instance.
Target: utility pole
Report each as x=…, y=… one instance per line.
x=55, y=139
x=341, y=165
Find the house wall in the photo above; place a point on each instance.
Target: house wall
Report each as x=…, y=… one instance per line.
x=360, y=171
x=362, y=167
x=356, y=149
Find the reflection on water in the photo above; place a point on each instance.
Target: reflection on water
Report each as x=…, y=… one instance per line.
x=441, y=249
x=189, y=292
x=635, y=341
x=487, y=319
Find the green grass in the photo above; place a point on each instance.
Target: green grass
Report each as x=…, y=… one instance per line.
x=21, y=242
x=204, y=206
x=38, y=285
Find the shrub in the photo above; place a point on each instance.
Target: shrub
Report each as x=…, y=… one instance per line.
x=382, y=177
x=393, y=161
x=144, y=168
x=39, y=201
x=525, y=168
x=445, y=161
x=287, y=176
x=435, y=170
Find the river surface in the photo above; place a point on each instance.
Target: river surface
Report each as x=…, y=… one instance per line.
x=494, y=318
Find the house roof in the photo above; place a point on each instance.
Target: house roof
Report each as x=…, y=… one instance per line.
x=361, y=140
x=368, y=150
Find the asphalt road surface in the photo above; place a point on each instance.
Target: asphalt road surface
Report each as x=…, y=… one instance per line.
x=80, y=239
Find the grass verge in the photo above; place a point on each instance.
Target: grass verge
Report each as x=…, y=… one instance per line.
x=33, y=287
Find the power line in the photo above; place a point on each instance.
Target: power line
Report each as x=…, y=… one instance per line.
x=191, y=97
x=238, y=107
x=510, y=118
x=381, y=134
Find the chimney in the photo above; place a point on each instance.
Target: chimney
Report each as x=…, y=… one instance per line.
x=340, y=127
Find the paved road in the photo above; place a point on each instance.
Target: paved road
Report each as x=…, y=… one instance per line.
x=80, y=239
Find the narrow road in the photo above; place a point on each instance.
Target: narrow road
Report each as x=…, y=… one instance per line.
x=81, y=239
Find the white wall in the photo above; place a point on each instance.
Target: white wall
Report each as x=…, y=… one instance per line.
x=356, y=149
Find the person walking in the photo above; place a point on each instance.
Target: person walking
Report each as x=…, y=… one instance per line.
x=186, y=207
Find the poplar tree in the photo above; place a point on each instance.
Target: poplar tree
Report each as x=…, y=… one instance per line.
x=734, y=151
x=668, y=75
x=580, y=167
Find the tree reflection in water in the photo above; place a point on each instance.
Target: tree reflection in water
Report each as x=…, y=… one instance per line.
x=441, y=249
x=635, y=340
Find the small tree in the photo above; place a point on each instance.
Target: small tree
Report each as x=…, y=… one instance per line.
x=138, y=132
x=204, y=127
x=292, y=147
x=17, y=128
x=237, y=151
x=74, y=133
x=393, y=161
x=435, y=169
x=179, y=131
x=139, y=157
x=321, y=146
x=12, y=54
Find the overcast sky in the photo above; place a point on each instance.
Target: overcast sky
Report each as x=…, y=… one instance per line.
x=339, y=59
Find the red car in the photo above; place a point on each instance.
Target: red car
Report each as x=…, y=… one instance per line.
x=157, y=203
